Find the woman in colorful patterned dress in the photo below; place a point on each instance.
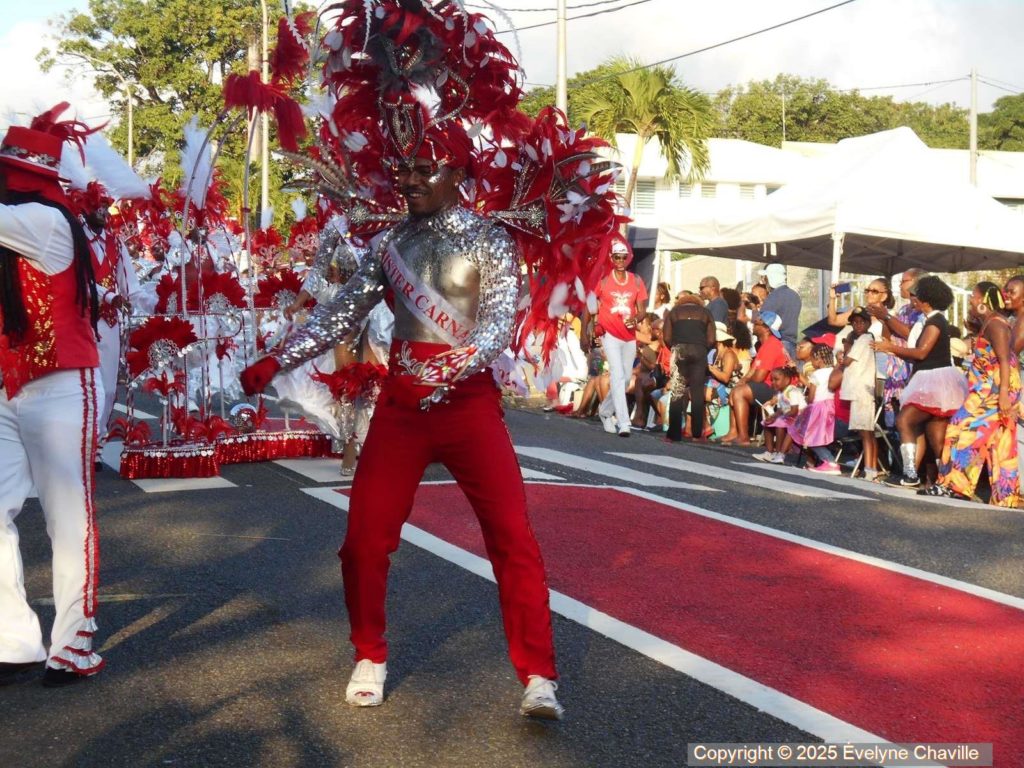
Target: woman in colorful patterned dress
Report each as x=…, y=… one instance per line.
x=984, y=430
x=1013, y=294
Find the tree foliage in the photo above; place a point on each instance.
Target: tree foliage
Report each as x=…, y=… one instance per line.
x=815, y=111
x=1003, y=127
x=172, y=55
x=651, y=103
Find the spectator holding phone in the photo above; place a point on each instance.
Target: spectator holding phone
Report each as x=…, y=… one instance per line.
x=936, y=389
x=896, y=331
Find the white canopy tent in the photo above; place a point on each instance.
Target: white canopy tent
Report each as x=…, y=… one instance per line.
x=876, y=205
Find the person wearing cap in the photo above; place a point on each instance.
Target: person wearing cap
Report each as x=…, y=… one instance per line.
x=754, y=387
x=456, y=281
x=621, y=297
x=854, y=377
x=784, y=302
x=49, y=402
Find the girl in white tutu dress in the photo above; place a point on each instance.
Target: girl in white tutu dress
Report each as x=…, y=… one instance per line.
x=780, y=413
x=936, y=389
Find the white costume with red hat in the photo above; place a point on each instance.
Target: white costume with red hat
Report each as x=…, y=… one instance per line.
x=48, y=406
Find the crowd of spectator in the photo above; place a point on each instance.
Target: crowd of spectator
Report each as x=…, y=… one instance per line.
x=889, y=384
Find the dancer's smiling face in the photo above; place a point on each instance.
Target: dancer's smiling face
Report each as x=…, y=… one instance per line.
x=429, y=187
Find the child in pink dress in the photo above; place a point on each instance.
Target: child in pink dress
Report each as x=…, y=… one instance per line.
x=815, y=426
x=780, y=413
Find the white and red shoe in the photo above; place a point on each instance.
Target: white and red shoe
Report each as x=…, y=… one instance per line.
x=366, y=686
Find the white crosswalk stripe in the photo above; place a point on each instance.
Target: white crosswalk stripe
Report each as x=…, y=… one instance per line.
x=608, y=470
x=744, y=478
x=879, y=488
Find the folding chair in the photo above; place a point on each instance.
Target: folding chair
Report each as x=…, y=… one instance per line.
x=881, y=433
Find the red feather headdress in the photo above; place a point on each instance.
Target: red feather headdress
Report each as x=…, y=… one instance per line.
x=157, y=343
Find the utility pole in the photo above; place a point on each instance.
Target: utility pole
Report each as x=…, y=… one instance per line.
x=131, y=125
x=974, y=126
x=783, y=113
x=561, y=86
x=265, y=125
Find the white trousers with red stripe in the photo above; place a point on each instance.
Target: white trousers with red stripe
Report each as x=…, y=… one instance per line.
x=48, y=438
x=109, y=347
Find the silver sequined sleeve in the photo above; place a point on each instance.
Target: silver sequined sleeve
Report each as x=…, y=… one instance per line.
x=316, y=277
x=333, y=321
x=497, y=260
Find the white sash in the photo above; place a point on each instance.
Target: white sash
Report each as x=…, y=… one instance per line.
x=426, y=304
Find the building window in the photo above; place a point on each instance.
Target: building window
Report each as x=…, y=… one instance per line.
x=643, y=196
x=708, y=190
x=685, y=189
x=746, y=191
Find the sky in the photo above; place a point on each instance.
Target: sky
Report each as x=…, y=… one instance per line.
x=867, y=44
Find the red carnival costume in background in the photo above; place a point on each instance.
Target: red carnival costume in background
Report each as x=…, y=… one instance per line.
x=48, y=408
x=117, y=287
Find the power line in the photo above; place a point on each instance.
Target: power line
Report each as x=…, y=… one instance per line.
x=546, y=10
x=719, y=45
x=580, y=16
x=907, y=85
x=919, y=94
x=1002, y=82
x=1000, y=87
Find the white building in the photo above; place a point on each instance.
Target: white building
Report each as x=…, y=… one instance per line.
x=742, y=170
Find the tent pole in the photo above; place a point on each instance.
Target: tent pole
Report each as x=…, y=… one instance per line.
x=837, y=254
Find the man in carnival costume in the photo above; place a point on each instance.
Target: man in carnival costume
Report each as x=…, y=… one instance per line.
x=117, y=286
x=455, y=275
x=49, y=403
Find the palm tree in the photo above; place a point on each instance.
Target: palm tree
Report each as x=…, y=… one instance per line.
x=651, y=103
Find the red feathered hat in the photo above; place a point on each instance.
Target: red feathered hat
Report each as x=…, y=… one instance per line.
x=30, y=157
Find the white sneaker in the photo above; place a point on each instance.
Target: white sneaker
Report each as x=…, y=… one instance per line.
x=776, y=458
x=366, y=686
x=608, y=422
x=766, y=456
x=539, y=699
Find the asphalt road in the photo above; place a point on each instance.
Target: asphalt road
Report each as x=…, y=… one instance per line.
x=225, y=633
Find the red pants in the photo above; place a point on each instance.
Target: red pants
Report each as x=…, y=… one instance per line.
x=467, y=435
